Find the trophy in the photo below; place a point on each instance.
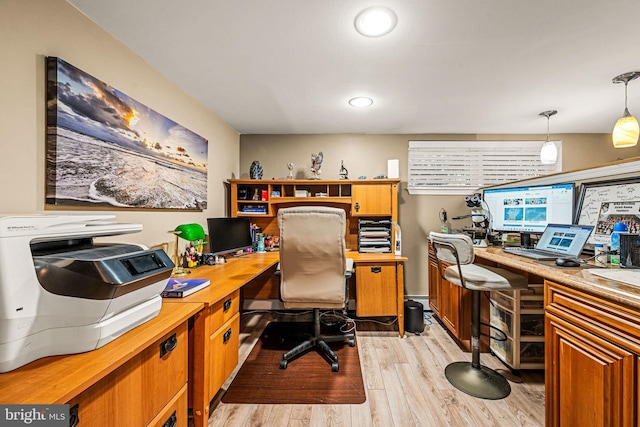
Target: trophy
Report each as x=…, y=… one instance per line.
x=291, y=167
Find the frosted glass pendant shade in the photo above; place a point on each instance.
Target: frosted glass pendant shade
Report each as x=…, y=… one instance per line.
x=626, y=131
x=548, y=153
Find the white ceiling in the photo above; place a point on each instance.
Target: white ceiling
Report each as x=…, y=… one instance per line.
x=449, y=66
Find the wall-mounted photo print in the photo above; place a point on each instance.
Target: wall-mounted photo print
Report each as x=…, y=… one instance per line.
x=107, y=150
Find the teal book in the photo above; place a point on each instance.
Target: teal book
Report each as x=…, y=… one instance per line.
x=180, y=288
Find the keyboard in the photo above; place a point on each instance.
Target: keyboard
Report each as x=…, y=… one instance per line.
x=531, y=253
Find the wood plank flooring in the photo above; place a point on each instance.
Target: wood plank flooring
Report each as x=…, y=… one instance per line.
x=405, y=386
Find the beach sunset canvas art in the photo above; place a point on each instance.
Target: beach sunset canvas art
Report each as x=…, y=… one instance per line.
x=107, y=150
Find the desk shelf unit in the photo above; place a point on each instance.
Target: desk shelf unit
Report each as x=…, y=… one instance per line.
x=520, y=315
x=372, y=199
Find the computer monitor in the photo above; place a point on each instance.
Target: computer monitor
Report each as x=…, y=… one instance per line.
x=229, y=235
x=528, y=209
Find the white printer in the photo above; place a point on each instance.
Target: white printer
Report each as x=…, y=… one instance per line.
x=62, y=293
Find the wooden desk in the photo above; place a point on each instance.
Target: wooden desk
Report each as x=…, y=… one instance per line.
x=592, y=343
x=214, y=333
x=127, y=371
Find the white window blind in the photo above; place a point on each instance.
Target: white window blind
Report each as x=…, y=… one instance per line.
x=461, y=167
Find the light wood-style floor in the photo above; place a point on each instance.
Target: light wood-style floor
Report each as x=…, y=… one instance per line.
x=405, y=386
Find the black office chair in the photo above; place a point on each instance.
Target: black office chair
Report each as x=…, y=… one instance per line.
x=314, y=271
x=457, y=250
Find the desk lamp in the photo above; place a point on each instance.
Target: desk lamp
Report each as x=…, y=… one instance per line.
x=191, y=233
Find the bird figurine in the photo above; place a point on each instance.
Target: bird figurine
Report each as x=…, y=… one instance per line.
x=316, y=164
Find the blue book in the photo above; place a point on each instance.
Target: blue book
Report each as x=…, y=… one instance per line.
x=180, y=288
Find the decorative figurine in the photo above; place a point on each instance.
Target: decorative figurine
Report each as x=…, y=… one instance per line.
x=255, y=171
x=291, y=167
x=316, y=164
x=344, y=173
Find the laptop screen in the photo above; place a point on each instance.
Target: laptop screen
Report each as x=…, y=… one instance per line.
x=564, y=239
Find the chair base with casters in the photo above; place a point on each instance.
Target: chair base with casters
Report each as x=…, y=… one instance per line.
x=457, y=249
x=319, y=343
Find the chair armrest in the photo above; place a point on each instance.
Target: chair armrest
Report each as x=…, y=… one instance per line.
x=349, y=269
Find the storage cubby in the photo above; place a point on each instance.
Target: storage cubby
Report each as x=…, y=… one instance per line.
x=374, y=235
x=520, y=315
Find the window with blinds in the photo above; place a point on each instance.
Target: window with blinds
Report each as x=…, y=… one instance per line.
x=462, y=167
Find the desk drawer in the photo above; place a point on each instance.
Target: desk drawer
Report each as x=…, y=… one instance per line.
x=175, y=413
x=164, y=370
x=223, y=310
x=223, y=345
x=137, y=391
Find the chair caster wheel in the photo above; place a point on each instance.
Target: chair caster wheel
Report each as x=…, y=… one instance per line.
x=352, y=343
x=334, y=367
x=283, y=364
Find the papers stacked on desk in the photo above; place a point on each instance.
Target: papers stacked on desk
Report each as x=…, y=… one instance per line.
x=630, y=277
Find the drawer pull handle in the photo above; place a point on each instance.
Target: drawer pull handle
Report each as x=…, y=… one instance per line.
x=357, y=206
x=168, y=345
x=227, y=305
x=376, y=269
x=74, y=419
x=172, y=421
x=227, y=336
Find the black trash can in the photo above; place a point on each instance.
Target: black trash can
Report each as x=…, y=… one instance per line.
x=413, y=317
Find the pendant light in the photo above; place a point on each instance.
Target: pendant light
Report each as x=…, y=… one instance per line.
x=549, y=151
x=626, y=130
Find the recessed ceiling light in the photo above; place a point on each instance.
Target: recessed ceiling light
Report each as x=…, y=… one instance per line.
x=375, y=21
x=360, y=101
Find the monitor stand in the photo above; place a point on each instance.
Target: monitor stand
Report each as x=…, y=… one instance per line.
x=525, y=240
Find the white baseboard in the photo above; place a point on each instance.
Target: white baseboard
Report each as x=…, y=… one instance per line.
x=422, y=299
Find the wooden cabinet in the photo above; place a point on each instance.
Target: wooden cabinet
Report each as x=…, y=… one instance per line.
x=376, y=293
x=147, y=390
x=359, y=198
x=223, y=341
x=452, y=305
x=592, y=360
x=372, y=200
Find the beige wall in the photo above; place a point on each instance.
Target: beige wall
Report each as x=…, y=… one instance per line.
x=30, y=30
x=367, y=155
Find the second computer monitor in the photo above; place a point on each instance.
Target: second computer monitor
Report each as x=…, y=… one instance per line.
x=528, y=209
x=229, y=235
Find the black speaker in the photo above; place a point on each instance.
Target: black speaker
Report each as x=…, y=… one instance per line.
x=629, y=250
x=413, y=317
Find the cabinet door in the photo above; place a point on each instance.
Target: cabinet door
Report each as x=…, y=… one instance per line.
x=589, y=381
x=376, y=293
x=450, y=300
x=434, y=288
x=371, y=199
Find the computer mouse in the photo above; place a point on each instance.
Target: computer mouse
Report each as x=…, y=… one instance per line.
x=567, y=262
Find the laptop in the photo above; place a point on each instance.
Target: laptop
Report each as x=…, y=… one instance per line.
x=557, y=241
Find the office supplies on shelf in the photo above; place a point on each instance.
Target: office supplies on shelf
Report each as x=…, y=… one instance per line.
x=180, y=288
x=74, y=295
x=557, y=241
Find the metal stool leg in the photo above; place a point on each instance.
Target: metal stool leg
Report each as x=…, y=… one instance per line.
x=473, y=378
